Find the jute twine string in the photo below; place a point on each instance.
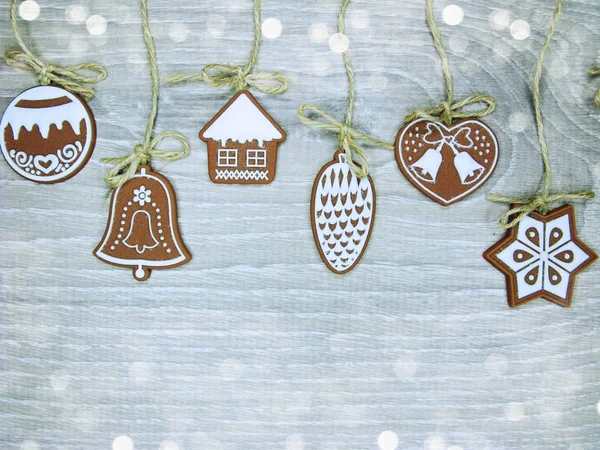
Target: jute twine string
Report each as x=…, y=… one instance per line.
x=449, y=110
x=541, y=201
x=127, y=166
x=596, y=71
x=69, y=78
x=240, y=77
x=348, y=137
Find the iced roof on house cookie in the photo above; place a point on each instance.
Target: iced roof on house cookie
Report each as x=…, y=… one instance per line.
x=242, y=120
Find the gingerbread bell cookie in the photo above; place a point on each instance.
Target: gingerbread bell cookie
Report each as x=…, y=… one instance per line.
x=445, y=152
x=48, y=132
x=142, y=231
x=541, y=254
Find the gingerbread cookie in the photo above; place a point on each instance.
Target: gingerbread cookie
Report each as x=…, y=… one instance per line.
x=447, y=164
x=47, y=134
x=541, y=257
x=342, y=214
x=142, y=231
x=242, y=142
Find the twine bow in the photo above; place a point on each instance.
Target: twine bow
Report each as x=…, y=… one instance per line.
x=222, y=75
x=67, y=77
x=538, y=203
x=541, y=201
x=348, y=137
x=596, y=71
x=127, y=166
x=450, y=111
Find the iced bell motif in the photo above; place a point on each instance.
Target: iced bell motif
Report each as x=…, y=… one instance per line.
x=142, y=231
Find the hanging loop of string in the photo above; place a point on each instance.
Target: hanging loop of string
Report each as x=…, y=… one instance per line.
x=223, y=75
x=541, y=201
x=596, y=71
x=449, y=110
x=348, y=137
x=238, y=76
x=127, y=166
x=69, y=78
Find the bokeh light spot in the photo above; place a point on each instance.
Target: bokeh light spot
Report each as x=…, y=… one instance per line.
x=96, y=25
x=272, y=28
x=388, y=440
x=29, y=10
x=520, y=30
x=339, y=43
x=453, y=14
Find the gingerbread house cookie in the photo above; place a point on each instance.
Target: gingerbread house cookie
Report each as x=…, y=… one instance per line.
x=242, y=142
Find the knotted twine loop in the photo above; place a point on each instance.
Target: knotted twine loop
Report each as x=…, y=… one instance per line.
x=348, y=137
x=240, y=77
x=541, y=201
x=223, y=75
x=126, y=166
x=450, y=110
x=596, y=71
x=69, y=78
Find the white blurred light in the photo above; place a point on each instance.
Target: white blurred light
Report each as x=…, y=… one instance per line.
x=78, y=45
x=518, y=122
x=60, y=380
x=29, y=10
x=378, y=82
x=558, y=69
x=455, y=447
x=514, y=411
x=272, y=28
x=339, y=43
x=231, y=369
x=215, y=25
x=502, y=49
x=499, y=19
x=459, y=44
x=318, y=32
x=179, y=32
x=520, y=30
x=96, y=25
x=76, y=14
x=405, y=368
x=453, y=14
x=598, y=407
x=294, y=442
x=435, y=443
x=388, y=440
x=320, y=64
x=359, y=19
x=122, y=443
x=496, y=364
x=169, y=445
x=140, y=372
x=30, y=445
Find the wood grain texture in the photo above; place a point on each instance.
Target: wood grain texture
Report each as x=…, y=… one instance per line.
x=255, y=341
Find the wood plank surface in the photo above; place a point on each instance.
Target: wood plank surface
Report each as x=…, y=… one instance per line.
x=255, y=345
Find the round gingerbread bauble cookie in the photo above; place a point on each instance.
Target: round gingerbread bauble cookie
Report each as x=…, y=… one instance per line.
x=47, y=134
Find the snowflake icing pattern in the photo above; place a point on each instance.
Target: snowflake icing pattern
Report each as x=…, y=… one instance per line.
x=142, y=195
x=542, y=257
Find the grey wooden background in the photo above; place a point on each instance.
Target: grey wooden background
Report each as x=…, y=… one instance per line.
x=255, y=344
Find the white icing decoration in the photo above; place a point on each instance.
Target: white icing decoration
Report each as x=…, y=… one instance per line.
x=242, y=122
x=543, y=256
x=342, y=226
x=19, y=118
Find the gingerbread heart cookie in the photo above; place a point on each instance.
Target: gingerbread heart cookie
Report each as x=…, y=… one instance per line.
x=447, y=163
